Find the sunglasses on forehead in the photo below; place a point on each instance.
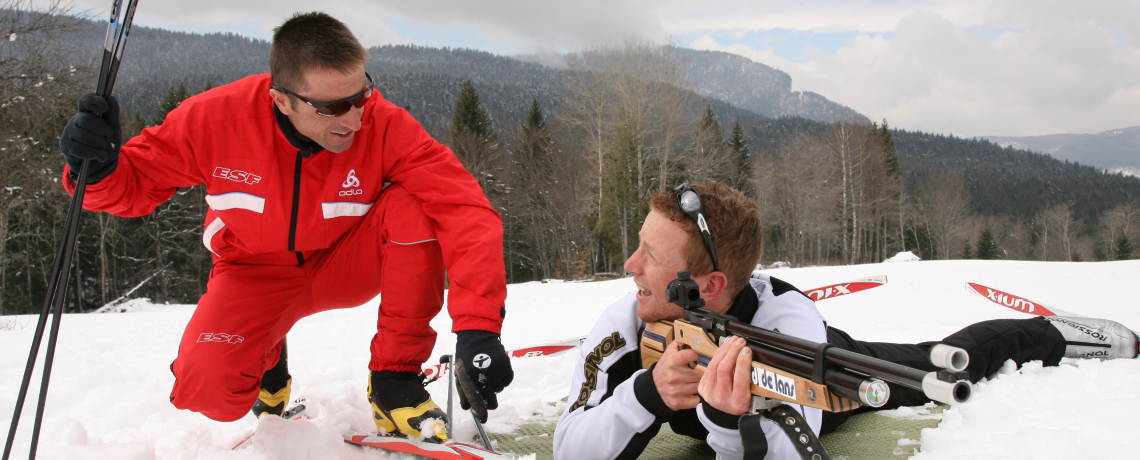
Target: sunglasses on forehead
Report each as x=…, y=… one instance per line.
x=690, y=202
x=338, y=107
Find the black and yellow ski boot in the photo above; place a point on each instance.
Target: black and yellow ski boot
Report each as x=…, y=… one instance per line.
x=275, y=386
x=401, y=405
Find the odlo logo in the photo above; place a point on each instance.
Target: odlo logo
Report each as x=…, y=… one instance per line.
x=349, y=183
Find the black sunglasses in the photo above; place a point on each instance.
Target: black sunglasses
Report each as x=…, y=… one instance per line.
x=690, y=202
x=338, y=107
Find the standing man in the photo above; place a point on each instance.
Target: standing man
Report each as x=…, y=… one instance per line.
x=616, y=407
x=321, y=195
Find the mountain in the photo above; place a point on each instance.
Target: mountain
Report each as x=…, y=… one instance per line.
x=1117, y=150
x=754, y=86
x=743, y=83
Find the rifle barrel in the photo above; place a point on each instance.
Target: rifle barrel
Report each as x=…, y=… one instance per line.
x=874, y=367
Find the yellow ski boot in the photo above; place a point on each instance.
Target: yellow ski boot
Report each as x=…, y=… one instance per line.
x=401, y=405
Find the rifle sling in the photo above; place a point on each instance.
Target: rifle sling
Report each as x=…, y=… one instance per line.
x=793, y=424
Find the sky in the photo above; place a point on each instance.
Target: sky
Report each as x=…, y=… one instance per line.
x=962, y=67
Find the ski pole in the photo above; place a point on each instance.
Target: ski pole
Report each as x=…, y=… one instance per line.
x=57, y=290
x=446, y=359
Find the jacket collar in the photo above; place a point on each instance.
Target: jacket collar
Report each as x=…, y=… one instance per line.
x=745, y=305
x=304, y=145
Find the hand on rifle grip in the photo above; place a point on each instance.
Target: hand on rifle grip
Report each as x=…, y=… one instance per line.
x=675, y=380
x=727, y=382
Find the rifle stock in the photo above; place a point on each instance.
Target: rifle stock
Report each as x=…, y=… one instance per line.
x=777, y=384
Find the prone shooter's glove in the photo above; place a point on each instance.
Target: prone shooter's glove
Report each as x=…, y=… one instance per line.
x=486, y=361
x=94, y=134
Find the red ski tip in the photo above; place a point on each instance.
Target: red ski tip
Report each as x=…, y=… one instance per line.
x=836, y=290
x=1010, y=301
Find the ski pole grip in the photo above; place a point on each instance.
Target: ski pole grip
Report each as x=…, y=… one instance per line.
x=953, y=359
x=468, y=391
x=955, y=392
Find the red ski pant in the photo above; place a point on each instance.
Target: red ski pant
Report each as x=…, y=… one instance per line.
x=236, y=331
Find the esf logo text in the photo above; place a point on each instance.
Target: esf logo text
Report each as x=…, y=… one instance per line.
x=236, y=176
x=774, y=382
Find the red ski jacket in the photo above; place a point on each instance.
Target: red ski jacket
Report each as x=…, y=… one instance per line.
x=274, y=201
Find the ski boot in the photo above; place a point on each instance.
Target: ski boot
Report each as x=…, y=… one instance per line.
x=275, y=387
x=400, y=404
x=1096, y=338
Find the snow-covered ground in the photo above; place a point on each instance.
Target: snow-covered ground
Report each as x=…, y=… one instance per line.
x=109, y=388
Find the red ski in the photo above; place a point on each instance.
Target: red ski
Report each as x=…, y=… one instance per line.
x=836, y=290
x=548, y=349
x=450, y=450
x=1014, y=302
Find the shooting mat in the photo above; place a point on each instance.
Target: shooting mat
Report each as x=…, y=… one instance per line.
x=870, y=436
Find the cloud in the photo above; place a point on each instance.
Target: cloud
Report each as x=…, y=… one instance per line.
x=1047, y=69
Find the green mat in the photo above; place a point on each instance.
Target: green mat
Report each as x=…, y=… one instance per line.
x=870, y=436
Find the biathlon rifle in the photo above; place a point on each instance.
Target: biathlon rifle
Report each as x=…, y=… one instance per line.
x=799, y=371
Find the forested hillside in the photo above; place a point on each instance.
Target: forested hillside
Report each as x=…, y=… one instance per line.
x=1114, y=150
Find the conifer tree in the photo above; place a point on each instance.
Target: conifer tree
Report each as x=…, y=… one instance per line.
x=173, y=99
x=892, y=160
x=624, y=207
x=709, y=158
x=470, y=115
x=528, y=218
x=739, y=148
x=986, y=247
x=474, y=140
x=1123, y=248
x=967, y=250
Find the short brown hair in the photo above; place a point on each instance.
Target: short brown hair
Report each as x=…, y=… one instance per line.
x=309, y=41
x=734, y=221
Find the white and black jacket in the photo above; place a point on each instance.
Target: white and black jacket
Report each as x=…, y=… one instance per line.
x=614, y=409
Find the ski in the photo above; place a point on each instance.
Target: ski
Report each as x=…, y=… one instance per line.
x=1018, y=303
x=1015, y=302
x=548, y=349
x=434, y=371
x=295, y=412
x=450, y=450
x=836, y=290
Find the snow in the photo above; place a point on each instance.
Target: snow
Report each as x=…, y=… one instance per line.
x=109, y=388
x=903, y=257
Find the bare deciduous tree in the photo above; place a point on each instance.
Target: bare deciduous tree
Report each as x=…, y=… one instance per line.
x=941, y=201
x=38, y=88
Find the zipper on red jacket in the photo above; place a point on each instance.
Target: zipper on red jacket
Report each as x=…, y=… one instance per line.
x=296, y=205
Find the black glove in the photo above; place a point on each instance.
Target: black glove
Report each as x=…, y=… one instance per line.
x=486, y=361
x=93, y=134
